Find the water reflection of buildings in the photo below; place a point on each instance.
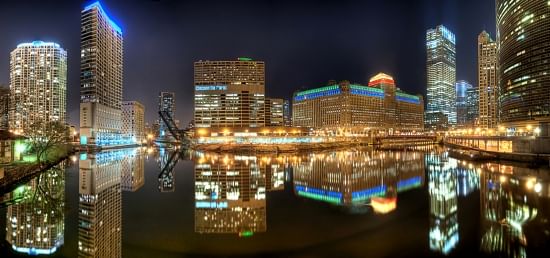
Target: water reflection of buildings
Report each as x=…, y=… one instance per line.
x=358, y=177
x=35, y=224
x=100, y=204
x=230, y=192
x=167, y=161
x=512, y=199
x=442, y=187
x=133, y=169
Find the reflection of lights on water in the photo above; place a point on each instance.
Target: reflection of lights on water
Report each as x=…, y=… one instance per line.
x=538, y=187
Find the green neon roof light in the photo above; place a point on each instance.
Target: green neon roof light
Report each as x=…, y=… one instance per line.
x=403, y=94
x=245, y=59
x=367, y=88
x=331, y=87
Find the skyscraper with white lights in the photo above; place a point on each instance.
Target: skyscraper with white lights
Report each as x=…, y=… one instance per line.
x=441, y=71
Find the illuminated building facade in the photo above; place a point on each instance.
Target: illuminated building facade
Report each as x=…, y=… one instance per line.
x=487, y=80
x=442, y=186
x=462, y=106
x=441, y=71
x=230, y=195
x=229, y=93
x=524, y=64
x=287, y=114
x=274, y=112
x=378, y=106
x=354, y=178
x=167, y=103
x=133, y=120
x=4, y=107
x=472, y=106
x=38, y=84
x=100, y=204
x=35, y=225
x=101, y=60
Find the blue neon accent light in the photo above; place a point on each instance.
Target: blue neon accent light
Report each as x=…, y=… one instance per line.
x=401, y=96
x=319, y=194
x=368, y=193
x=35, y=251
x=407, y=184
x=447, y=34
x=83, y=140
x=202, y=204
x=39, y=43
x=366, y=91
x=317, y=93
x=210, y=87
x=109, y=139
x=102, y=11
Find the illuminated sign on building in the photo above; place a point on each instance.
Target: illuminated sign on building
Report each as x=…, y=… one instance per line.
x=210, y=87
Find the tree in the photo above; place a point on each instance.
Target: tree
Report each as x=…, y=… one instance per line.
x=43, y=136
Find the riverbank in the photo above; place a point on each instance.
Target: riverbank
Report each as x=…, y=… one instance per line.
x=477, y=154
x=18, y=173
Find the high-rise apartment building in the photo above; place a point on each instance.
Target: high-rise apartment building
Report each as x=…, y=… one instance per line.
x=229, y=93
x=133, y=120
x=101, y=61
x=359, y=108
x=167, y=103
x=274, y=112
x=38, y=84
x=523, y=39
x=462, y=88
x=287, y=114
x=487, y=80
x=441, y=71
x=4, y=107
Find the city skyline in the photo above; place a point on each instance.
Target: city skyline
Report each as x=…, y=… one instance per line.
x=384, y=54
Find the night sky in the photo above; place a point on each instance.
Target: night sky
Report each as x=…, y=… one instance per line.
x=303, y=43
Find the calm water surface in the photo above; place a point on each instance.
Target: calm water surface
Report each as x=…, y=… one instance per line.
x=354, y=203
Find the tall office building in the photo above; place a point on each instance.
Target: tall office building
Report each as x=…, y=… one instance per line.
x=472, y=106
x=523, y=32
x=38, y=84
x=4, y=107
x=462, y=88
x=287, y=114
x=133, y=120
x=441, y=71
x=167, y=103
x=274, y=112
x=229, y=93
x=487, y=80
x=100, y=79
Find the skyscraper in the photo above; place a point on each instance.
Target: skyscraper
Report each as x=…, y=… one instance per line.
x=441, y=71
x=461, y=104
x=167, y=103
x=100, y=78
x=523, y=32
x=287, y=115
x=38, y=84
x=229, y=93
x=133, y=120
x=4, y=107
x=487, y=79
x=472, y=106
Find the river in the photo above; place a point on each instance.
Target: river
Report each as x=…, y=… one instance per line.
x=149, y=202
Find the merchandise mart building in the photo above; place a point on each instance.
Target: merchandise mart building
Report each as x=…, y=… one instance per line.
x=346, y=108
